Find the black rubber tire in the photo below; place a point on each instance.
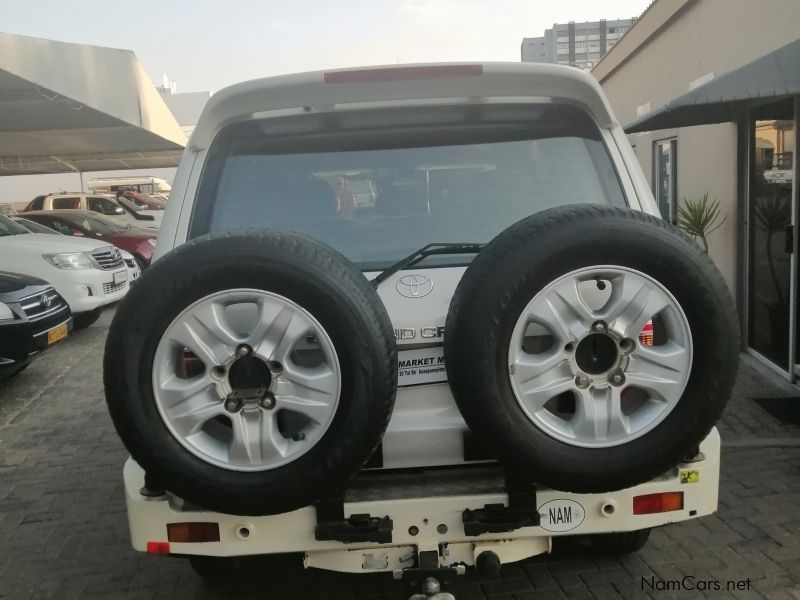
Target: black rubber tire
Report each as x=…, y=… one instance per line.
x=299, y=268
x=620, y=542
x=523, y=260
x=601, y=544
x=85, y=319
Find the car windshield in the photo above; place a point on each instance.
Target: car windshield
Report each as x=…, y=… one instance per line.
x=8, y=227
x=34, y=227
x=380, y=184
x=95, y=223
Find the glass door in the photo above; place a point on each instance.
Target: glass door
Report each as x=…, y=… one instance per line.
x=772, y=289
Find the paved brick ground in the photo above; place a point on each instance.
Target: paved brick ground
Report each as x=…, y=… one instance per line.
x=63, y=529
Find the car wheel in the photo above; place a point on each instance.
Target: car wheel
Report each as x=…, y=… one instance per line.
x=251, y=373
x=551, y=357
x=85, y=319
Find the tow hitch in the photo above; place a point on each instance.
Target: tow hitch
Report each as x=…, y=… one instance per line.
x=428, y=580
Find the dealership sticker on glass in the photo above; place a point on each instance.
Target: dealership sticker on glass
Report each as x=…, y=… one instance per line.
x=423, y=365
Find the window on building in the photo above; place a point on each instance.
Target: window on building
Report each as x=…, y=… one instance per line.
x=612, y=30
x=563, y=45
x=665, y=178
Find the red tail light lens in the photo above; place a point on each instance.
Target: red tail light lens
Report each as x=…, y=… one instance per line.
x=193, y=532
x=158, y=547
x=403, y=73
x=657, y=503
x=646, y=334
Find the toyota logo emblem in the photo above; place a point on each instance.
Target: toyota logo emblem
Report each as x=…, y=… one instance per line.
x=414, y=286
x=46, y=301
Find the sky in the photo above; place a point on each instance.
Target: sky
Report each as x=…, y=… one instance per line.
x=205, y=45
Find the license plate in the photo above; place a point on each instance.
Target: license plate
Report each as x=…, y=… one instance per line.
x=120, y=277
x=56, y=334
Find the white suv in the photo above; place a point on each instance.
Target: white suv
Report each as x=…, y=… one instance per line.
x=496, y=288
x=88, y=274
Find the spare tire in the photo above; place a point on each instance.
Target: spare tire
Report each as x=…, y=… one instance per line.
x=594, y=347
x=251, y=372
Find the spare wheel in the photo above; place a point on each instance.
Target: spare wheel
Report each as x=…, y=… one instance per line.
x=251, y=372
x=593, y=347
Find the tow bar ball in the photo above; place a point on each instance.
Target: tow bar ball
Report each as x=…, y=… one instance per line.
x=431, y=589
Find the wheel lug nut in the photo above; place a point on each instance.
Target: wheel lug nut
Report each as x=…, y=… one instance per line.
x=275, y=367
x=600, y=327
x=218, y=372
x=233, y=405
x=626, y=345
x=268, y=401
x=582, y=381
x=243, y=350
x=616, y=378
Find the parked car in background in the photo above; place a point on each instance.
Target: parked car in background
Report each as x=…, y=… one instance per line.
x=99, y=204
x=134, y=272
x=89, y=274
x=87, y=224
x=33, y=317
x=7, y=210
x=139, y=207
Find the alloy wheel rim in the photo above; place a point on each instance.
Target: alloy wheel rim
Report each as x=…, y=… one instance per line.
x=579, y=367
x=269, y=386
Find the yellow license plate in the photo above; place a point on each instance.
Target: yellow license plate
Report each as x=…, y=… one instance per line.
x=56, y=334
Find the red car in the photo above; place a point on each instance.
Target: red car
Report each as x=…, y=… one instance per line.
x=86, y=223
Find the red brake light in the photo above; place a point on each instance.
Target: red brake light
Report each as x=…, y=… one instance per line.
x=646, y=334
x=158, y=547
x=657, y=503
x=193, y=532
x=403, y=73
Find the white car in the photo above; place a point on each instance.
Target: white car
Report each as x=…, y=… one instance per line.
x=89, y=274
x=480, y=297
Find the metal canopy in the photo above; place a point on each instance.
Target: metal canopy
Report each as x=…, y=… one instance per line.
x=74, y=108
x=770, y=77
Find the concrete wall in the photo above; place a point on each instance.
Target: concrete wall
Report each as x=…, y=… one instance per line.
x=675, y=43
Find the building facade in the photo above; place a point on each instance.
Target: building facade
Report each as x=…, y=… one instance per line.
x=709, y=91
x=579, y=45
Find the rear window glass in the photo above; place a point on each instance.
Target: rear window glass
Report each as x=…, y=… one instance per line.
x=380, y=184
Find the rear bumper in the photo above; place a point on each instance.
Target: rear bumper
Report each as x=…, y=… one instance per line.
x=433, y=504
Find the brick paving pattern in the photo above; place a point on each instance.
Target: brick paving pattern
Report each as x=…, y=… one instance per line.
x=63, y=528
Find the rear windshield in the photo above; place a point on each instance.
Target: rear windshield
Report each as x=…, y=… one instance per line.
x=377, y=185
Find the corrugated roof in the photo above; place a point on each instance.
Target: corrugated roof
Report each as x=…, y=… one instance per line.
x=773, y=76
x=71, y=107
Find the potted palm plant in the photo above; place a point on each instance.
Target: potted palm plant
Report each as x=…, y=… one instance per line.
x=700, y=218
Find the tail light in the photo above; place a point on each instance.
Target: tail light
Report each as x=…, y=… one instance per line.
x=193, y=532
x=646, y=334
x=158, y=547
x=650, y=504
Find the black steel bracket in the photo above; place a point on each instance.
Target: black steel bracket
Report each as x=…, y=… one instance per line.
x=332, y=525
x=427, y=567
x=497, y=518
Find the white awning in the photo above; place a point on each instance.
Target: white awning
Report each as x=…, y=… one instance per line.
x=74, y=108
